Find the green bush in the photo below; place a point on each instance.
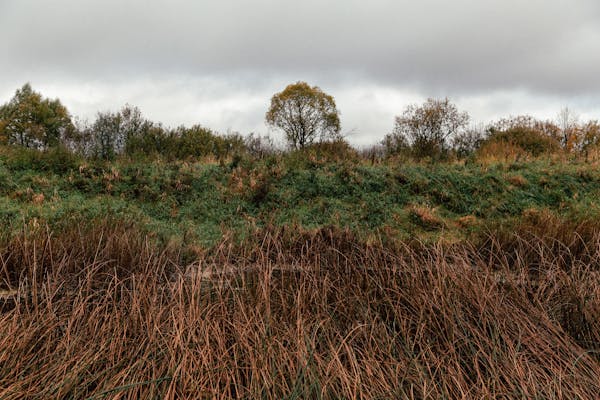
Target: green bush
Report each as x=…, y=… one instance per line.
x=57, y=159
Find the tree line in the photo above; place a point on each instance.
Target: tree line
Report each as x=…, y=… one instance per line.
x=308, y=117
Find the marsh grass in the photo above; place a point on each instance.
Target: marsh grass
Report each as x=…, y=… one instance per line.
x=98, y=311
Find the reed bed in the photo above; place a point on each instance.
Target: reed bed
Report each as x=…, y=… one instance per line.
x=101, y=312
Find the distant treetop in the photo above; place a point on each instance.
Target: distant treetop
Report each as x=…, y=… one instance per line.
x=304, y=113
x=30, y=120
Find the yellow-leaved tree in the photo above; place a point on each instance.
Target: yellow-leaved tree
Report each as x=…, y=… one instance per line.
x=304, y=113
x=30, y=120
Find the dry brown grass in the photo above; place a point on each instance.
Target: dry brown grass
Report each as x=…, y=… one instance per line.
x=495, y=152
x=101, y=313
x=517, y=180
x=467, y=221
x=425, y=216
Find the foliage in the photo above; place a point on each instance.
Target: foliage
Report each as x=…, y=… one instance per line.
x=590, y=136
x=31, y=121
x=434, y=130
x=154, y=140
x=196, y=141
x=117, y=133
x=260, y=146
x=531, y=141
x=302, y=274
x=127, y=133
x=395, y=144
x=547, y=128
x=333, y=151
x=466, y=143
x=108, y=140
x=55, y=160
x=325, y=184
x=428, y=127
x=304, y=113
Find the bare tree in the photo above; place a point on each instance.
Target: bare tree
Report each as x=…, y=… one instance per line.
x=468, y=141
x=568, y=123
x=428, y=127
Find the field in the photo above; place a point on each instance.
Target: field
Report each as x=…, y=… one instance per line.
x=298, y=276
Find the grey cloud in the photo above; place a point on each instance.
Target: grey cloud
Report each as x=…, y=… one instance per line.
x=464, y=45
x=214, y=60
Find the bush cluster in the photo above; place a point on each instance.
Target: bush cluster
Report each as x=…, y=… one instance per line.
x=435, y=130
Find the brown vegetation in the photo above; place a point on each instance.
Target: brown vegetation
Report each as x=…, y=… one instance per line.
x=99, y=312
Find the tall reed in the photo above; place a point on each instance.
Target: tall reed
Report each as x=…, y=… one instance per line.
x=100, y=312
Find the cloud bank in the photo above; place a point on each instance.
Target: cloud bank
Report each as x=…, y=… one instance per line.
x=218, y=62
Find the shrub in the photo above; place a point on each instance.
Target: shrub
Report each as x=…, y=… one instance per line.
x=333, y=151
x=519, y=140
x=429, y=127
x=395, y=145
x=57, y=160
x=466, y=143
x=259, y=146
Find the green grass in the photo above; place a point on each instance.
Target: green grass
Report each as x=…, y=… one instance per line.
x=198, y=202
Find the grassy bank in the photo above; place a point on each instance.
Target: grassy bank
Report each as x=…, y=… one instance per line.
x=297, y=277
x=199, y=202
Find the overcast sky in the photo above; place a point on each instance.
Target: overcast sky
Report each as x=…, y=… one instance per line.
x=218, y=62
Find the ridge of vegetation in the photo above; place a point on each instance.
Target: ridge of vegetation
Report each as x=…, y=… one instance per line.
x=138, y=261
x=199, y=201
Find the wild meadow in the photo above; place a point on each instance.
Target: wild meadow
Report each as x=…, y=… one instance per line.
x=182, y=264
x=298, y=277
